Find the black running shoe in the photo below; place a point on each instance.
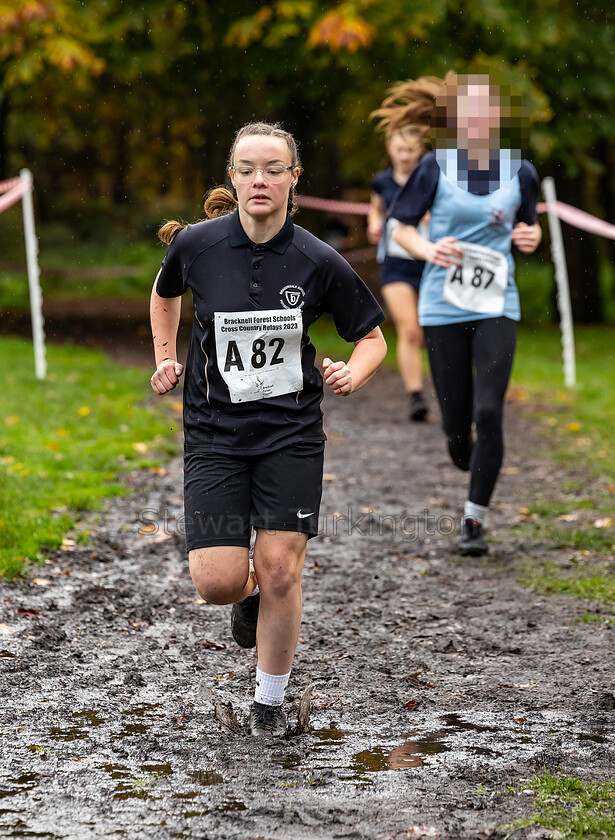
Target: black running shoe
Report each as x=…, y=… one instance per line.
x=472, y=542
x=418, y=407
x=267, y=720
x=460, y=452
x=244, y=617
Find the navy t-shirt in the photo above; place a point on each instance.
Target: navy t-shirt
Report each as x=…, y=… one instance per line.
x=228, y=273
x=394, y=268
x=384, y=185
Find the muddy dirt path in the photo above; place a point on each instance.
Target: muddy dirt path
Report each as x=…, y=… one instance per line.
x=436, y=681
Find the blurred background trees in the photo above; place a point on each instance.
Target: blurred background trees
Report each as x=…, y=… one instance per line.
x=125, y=112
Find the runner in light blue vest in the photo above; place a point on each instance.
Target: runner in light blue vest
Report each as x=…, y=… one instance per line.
x=482, y=200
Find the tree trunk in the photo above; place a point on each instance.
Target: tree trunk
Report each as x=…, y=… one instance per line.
x=4, y=146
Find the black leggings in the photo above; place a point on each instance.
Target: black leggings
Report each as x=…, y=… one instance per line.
x=471, y=363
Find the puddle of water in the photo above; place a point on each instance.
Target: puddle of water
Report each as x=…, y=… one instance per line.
x=22, y=783
x=288, y=761
x=117, y=771
x=226, y=806
x=157, y=769
x=456, y=723
x=206, y=777
x=133, y=729
x=20, y=829
x=70, y=733
x=143, y=710
x=90, y=715
x=597, y=739
x=132, y=787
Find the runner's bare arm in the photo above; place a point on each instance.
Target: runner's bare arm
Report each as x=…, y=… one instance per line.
x=164, y=317
x=444, y=252
x=375, y=218
x=527, y=237
x=345, y=378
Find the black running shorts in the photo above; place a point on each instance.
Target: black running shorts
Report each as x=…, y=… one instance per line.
x=225, y=496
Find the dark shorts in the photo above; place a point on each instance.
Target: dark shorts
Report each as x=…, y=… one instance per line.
x=225, y=496
x=395, y=270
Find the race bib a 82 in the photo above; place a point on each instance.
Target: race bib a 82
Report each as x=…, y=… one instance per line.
x=259, y=353
x=479, y=283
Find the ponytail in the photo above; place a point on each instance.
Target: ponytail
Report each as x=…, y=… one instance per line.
x=169, y=231
x=219, y=202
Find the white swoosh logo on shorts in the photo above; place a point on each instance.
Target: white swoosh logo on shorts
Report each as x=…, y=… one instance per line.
x=304, y=515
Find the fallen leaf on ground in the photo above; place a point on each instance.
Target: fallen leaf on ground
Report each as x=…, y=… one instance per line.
x=207, y=643
x=6, y=629
x=28, y=612
x=305, y=707
x=603, y=523
x=41, y=582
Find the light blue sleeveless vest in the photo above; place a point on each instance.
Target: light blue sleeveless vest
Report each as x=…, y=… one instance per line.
x=483, y=219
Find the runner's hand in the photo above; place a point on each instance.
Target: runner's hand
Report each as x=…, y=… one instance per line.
x=166, y=376
x=526, y=237
x=374, y=232
x=338, y=377
x=444, y=252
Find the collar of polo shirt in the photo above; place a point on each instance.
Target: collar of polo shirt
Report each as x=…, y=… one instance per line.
x=280, y=242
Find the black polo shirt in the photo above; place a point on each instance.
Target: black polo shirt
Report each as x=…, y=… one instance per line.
x=239, y=359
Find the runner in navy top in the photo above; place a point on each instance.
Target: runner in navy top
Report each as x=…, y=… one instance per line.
x=252, y=419
x=482, y=199
x=400, y=274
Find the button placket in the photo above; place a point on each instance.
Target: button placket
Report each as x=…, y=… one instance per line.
x=257, y=259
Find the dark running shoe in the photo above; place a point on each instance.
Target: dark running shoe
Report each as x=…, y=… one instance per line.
x=418, y=407
x=244, y=617
x=472, y=542
x=267, y=720
x=460, y=452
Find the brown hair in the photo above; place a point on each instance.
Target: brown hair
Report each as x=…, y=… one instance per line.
x=409, y=105
x=220, y=201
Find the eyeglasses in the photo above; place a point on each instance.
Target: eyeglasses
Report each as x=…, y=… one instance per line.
x=273, y=174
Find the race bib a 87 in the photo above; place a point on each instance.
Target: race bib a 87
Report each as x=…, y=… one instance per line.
x=479, y=283
x=259, y=353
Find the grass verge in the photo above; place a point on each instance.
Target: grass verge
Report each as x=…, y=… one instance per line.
x=576, y=427
x=65, y=441
x=576, y=809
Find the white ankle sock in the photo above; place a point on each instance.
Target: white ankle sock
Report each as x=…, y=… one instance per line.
x=270, y=688
x=474, y=511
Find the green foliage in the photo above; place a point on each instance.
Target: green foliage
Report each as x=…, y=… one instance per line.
x=578, y=810
x=131, y=108
x=65, y=441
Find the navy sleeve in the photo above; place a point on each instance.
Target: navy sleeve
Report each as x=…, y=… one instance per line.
x=418, y=193
x=355, y=310
x=378, y=182
x=172, y=280
x=530, y=187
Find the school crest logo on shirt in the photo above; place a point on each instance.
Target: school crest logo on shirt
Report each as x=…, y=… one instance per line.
x=498, y=217
x=292, y=297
